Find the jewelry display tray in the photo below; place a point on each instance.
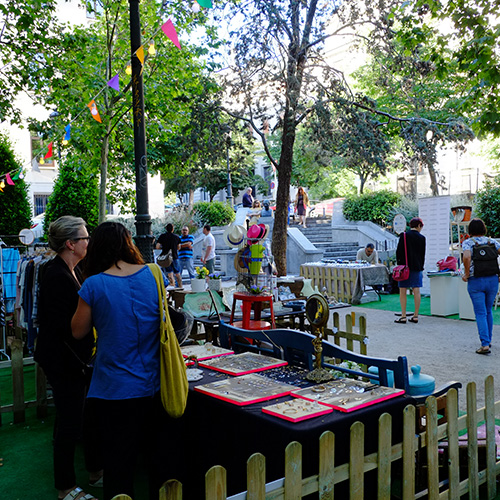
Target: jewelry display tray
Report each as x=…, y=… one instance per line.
x=297, y=410
x=245, y=390
x=348, y=395
x=205, y=351
x=242, y=364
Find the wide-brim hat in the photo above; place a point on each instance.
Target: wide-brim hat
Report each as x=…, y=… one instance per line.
x=257, y=233
x=234, y=235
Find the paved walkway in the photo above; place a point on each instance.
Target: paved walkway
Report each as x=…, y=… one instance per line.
x=444, y=348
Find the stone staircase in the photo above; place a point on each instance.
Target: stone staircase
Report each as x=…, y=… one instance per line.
x=319, y=233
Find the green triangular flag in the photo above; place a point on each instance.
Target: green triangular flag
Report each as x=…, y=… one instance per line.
x=205, y=3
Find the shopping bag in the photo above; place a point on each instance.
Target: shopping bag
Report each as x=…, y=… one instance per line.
x=174, y=386
x=448, y=264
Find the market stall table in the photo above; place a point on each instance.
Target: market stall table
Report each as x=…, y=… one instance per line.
x=347, y=283
x=215, y=432
x=444, y=293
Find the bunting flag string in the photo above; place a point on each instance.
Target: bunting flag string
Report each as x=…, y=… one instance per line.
x=170, y=32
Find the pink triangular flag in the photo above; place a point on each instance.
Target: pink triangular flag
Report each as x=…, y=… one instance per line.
x=169, y=30
x=9, y=180
x=114, y=83
x=49, y=152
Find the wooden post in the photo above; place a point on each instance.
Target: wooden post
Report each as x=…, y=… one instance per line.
x=384, y=456
x=357, y=462
x=409, y=453
x=326, y=465
x=453, y=451
x=472, y=441
x=171, y=490
x=293, y=471
x=256, y=477
x=431, y=432
x=489, y=393
x=18, y=381
x=216, y=484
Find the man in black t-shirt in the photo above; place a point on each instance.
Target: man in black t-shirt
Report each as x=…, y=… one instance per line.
x=170, y=241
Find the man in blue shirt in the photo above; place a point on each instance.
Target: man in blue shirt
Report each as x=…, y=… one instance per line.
x=186, y=252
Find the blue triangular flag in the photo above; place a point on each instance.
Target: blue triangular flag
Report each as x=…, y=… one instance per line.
x=67, y=130
x=114, y=83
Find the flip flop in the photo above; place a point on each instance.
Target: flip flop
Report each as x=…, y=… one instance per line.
x=483, y=350
x=413, y=320
x=402, y=321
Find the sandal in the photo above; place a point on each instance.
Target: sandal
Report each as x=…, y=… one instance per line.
x=414, y=319
x=483, y=350
x=401, y=320
x=78, y=494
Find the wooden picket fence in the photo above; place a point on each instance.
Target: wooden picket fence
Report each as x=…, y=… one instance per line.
x=414, y=452
x=339, y=282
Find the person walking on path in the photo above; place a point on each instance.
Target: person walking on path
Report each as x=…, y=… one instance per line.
x=65, y=360
x=481, y=273
x=186, y=252
x=301, y=204
x=415, y=250
x=166, y=242
x=248, y=198
x=208, y=249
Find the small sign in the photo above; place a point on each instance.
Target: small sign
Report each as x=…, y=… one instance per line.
x=399, y=224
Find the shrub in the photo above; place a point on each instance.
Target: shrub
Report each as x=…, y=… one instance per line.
x=75, y=193
x=214, y=213
x=374, y=207
x=15, y=210
x=407, y=206
x=488, y=206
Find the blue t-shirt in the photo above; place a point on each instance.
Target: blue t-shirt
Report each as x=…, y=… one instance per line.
x=480, y=240
x=125, y=313
x=186, y=253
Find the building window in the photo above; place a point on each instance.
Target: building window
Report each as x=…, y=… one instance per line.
x=40, y=203
x=38, y=151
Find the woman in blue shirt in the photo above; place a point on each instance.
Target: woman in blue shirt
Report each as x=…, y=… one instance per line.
x=482, y=289
x=120, y=299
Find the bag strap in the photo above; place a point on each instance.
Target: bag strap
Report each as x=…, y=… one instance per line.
x=155, y=269
x=406, y=256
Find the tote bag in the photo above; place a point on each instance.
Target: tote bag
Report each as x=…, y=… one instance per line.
x=401, y=273
x=174, y=384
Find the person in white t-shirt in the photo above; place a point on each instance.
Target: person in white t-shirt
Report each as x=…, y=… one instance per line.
x=368, y=254
x=208, y=249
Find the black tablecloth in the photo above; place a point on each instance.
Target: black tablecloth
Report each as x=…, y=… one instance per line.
x=215, y=432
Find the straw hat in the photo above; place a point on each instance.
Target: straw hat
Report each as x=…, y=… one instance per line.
x=234, y=235
x=257, y=232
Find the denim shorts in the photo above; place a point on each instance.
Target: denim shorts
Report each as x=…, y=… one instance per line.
x=414, y=280
x=175, y=267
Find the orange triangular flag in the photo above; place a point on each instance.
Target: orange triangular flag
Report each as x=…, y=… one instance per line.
x=140, y=54
x=93, y=110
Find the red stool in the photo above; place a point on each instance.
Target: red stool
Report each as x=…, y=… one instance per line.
x=257, y=301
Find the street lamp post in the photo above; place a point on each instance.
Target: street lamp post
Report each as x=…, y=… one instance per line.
x=144, y=238
x=227, y=136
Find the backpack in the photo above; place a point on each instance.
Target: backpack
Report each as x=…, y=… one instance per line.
x=485, y=259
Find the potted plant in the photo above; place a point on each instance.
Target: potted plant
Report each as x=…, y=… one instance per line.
x=214, y=282
x=198, y=284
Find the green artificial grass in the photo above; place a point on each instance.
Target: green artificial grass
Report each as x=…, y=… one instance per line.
x=391, y=303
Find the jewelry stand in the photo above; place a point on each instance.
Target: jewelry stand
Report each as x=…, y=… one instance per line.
x=318, y=312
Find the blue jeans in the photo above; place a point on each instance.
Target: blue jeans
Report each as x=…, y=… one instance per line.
x=188, y=264
x=482, y=292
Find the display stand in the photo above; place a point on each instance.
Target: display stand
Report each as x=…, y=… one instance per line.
x=462, y=230
x=444, y=296
x=465, y=307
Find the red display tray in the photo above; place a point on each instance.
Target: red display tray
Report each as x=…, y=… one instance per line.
x=205, y=351
x=297, y=410
x=348, y=395
x=245, y=390
x=242, y=364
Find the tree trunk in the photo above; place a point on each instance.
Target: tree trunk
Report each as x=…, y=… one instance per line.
x=104, y=176
x=434, y=181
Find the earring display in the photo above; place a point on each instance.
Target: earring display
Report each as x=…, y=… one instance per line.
x=242, y=364
x=297, y=410
x=205, y=351
x=347, y=394
x=245, y=390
